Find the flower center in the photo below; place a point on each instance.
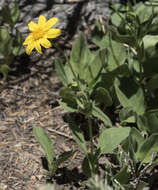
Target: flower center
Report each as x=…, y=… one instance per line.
x=39, y=33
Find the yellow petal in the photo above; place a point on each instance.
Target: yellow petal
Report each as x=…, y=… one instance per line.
x=28, y=39
x=42, y=20
x=45, y=43
x=51, y=22
x=29, y=48
x=53, y=33
x=38, y=47
x=32, y=26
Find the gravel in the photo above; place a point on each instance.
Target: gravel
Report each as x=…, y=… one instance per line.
x=66, y=10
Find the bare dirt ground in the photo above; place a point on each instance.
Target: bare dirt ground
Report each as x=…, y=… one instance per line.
x=30, y=97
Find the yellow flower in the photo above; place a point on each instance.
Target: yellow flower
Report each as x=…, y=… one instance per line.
x=40, y=34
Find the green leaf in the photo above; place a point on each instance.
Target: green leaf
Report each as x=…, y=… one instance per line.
x=66, y=107
x=96, y=65
x=17, y=43
x=116, y=20
x=132, y=144
x=123, y=176
x=4, y=69
x=79, y=57
x=150, y=46
x=106, y=80
x=116, y=52
x=15, y=13
x=137, y=138
x=117, y=55
x=148, y=122
x=60, y=70
x=78, y=135
x=127, y=115
x=102, y=96
x=111, y=138
x=6, y=15
x=69, y=97
x=96, y=112
x=63, y=157
x=130, y=94
x=149, y=147
x=126, y=38
x=90, y=165
x=6, y=42
x=142, y=185
x=152, y=83
x=45, y=142
x=145, y=11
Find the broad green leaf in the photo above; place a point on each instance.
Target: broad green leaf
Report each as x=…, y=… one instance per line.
x=15, y=13
x=69, y=97
x=116, y=52
x=145, y=11
x=59, y=66
x=45, y=142
x=127, y=115
x=116, y=20
x=78, y=136
x=149, y=147
x=130, y=94
x=133, y=143
x=80, y=55
x=137, y=138
x=106, y=80
x=123, y=176
x=150, y=65
x=95, y=67
x=117, y=55
x=4, y=34
x=96, y=112
x=148, y=122
x=150, y=41
x=97, y=32
x=102, y=96
x=111, y=138
x=6, y=42
x=4, y=69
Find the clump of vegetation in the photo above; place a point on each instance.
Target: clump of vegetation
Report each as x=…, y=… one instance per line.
x=122, y=75
x=10, y=37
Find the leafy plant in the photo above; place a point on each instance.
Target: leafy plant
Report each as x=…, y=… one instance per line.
x=48, y=147
x=10, y=37
x=121, y=74
x=117, y=85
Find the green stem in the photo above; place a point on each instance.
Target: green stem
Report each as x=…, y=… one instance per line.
x=91, y=134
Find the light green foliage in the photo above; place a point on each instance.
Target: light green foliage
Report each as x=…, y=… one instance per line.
x=149, y=147
x=10, y=38
x=117, y=86
x=111, y=138
x=48, y=147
